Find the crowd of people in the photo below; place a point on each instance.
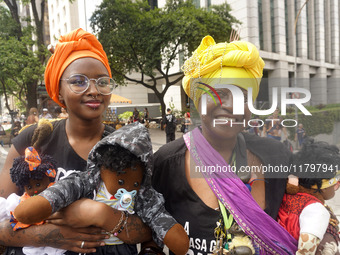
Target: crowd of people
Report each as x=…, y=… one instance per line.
x=32, y=118
x=272, y=128
x=191, y=195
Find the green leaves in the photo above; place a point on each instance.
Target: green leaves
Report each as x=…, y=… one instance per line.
x=19, y=64
x=148, y=41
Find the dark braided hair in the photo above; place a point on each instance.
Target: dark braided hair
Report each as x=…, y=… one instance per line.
x=21, y=175
x=116, y=158
x=311, y=154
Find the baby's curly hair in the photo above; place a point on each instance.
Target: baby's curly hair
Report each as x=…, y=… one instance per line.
x=116, y=158
x=312, y=154
x=20, y=173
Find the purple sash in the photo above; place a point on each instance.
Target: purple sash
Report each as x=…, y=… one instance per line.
x=235, y=196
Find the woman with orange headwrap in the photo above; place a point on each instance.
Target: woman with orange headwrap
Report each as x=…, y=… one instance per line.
x=212, y=178
x=78, y=78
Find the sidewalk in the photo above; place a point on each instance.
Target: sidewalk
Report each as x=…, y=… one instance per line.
x=158, y=137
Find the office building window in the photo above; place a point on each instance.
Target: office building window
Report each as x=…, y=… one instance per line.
x=153, y=4
x=328, y=39
x=297, y=30
x=309, y=41
x=208, y=3
x=272, y=25
x=259, y=8
x=152, y=98
x=181, y=59
x=286, y=28
x=197, y=3
x=262, y=100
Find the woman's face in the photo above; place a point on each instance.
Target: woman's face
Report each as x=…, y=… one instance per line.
x=89, y=104
x=219, y=120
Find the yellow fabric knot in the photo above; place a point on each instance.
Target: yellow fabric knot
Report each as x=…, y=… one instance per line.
x=237, y=63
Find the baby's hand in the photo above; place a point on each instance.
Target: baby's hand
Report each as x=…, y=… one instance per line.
x=33, y=210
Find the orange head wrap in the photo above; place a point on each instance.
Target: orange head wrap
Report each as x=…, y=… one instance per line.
x=77, y=44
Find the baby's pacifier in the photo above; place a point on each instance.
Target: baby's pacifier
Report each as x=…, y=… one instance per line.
x=125, y=197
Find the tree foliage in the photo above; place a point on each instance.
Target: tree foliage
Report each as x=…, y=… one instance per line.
x=22, y=58
x=149, y=41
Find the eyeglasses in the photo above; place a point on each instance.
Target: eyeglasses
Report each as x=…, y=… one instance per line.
x=79, y=83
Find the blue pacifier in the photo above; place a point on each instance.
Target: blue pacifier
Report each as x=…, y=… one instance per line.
x=125, y=197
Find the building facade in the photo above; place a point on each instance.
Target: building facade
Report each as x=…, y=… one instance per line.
x=305, y=55
x=313, y=48
x=65, y=16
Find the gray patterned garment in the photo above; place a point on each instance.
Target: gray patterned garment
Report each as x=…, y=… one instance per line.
x=149, y=204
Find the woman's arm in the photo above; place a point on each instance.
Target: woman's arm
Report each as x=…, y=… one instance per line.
x=87, y=212
x=7, y=187
x=62, y=237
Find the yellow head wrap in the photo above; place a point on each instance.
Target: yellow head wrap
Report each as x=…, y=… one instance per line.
x=237, y=61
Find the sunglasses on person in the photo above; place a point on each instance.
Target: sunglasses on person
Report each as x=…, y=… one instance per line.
x=79, y=83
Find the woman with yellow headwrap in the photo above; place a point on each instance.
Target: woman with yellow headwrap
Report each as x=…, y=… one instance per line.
x=212, y=178
x=78, y=78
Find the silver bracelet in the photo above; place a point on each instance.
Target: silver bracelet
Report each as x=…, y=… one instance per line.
x=112, y=232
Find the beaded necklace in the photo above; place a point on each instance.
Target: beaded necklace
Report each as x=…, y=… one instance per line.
x=223, y=238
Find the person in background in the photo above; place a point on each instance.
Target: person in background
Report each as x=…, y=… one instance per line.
x=23, y=119
x=130, y=120
x=146, y=117
x=45, y=114
x=169, y=122
x=135, y=115
x=273, y=127
x=187, y=122
x=146, y=114
x=2, y=135
x=63, y=114
x=255, y=126
x=300, y=135
x=32, y=117
x=15, y=129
